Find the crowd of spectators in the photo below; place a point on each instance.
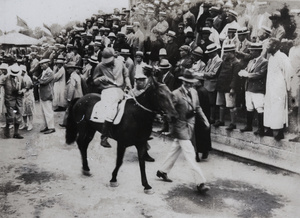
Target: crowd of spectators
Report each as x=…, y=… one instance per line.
x=217, y=40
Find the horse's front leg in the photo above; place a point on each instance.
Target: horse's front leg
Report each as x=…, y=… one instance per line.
x=141, y=149
x=83, y=140
x=120, y=155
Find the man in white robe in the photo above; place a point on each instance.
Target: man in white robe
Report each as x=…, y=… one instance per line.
x=277, y=85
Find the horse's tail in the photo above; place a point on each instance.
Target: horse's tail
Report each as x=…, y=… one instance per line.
x=71, y=127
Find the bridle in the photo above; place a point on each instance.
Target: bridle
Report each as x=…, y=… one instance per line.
x=142, y=106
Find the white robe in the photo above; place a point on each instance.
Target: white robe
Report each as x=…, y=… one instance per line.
x=294, y=56
x=277, y=85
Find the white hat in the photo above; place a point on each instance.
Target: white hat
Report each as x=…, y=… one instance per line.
x=140, y=75
x=108, y=55
x=3, y=66
x=162, y=51
x=15, y=70
x=111, y=34
x=232, y=13
x=44, y=61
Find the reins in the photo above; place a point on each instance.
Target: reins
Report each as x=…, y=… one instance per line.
x=138, y=104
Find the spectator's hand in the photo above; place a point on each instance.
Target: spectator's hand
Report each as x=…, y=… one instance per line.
x=22, y=91
x=243, y=73
x=103, y=79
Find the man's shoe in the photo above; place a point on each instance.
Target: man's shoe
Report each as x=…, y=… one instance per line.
x=202, y=188
x=197, y=158
x=163, y=175
x=219, y=123
x=17, y=136
x=268, y=132
x=246, y=129
x=49, y=131
x=62, y=125
x=204, y=155
x=44, y=130
x=105, y=143
x=231, y=127
x=279, y=136
x=59, y=109
x=6, y=132
x=259, y=132
x=29, y=127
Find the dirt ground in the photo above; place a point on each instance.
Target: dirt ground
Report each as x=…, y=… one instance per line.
x=41, y=177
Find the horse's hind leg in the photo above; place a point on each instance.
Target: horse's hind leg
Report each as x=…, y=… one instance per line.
x=141, y=149
x=84, y=138
x=120, y=156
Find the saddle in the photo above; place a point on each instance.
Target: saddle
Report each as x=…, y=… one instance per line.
x=98, y=117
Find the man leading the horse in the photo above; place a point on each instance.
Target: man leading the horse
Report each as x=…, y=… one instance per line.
x=186, y=102
x=112, y=76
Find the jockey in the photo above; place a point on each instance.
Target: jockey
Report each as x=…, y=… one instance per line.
x=112, y=76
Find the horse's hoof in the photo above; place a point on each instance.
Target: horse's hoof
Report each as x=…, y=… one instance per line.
x=149, y=191
x=86, y=173
x=114, y=184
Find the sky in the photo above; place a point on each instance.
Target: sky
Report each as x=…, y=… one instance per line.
x=37, y=12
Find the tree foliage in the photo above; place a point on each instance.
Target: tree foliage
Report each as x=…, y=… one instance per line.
x=38, y=32
x=55, y=29
x=288, y=22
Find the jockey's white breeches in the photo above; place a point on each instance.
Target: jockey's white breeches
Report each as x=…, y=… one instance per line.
x=110, y=98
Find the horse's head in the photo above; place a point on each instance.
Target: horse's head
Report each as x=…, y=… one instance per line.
x=164, y=98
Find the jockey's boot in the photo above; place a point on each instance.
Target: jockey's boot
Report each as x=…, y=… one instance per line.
x=105, y=134
x=16, y=132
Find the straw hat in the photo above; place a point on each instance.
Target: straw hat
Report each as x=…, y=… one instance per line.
x=125, y=52
x=255, y=46
x=139, y=53
x=232, y=13
x=198, y=51
x=162, y=52
x=188, y=76
x=43, y=61
x=164, y=64
x=3, y=66
x=15, y=70
x=211, y=48
x=60, y=59
x=228, y=48
x=93, y=59
x=243, y=31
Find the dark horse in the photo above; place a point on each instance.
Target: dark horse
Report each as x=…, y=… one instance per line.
x=134, y=129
